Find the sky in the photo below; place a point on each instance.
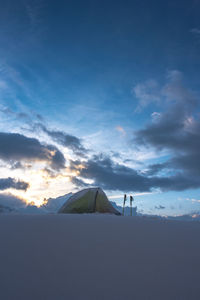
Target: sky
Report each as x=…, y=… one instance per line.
x=101, y=93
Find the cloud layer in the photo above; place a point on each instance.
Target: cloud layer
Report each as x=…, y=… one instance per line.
x=176, y=130
x=113, y=176
x=17, y=147
x=7, y=183
x=64, y=139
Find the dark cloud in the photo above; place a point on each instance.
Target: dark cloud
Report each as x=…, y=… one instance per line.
x=39, y=117
x=17, y=165
x=79, y=182
x=7, y=183
x=159, y=207
x=177, y=131
x=132, y=161
x=109, y=175
x=155, y=169
x=17, y=147
x=113, y=176
x=12, y=202
x=173, y=132
x=67, y=140
x=62, y=138
x=22, y=115
x=5, y=209
x=115, y=154
x=177, y=182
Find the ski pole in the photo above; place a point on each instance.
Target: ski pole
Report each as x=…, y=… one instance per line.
x=124, y=204
x=131, y=201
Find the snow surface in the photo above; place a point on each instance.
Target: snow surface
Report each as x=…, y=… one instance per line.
x=98, y=257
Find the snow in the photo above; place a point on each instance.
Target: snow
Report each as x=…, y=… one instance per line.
x=98, y=257
x=54, y=204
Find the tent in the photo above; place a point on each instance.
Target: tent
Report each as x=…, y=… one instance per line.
x=89, y=200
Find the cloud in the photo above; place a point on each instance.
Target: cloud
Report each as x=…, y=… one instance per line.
x=17, y=147
x=155, y=116
x=159, y=207
x=12, y=202
x=33, y=9
x=146, y=93
x=7, y=183
x=155, y=169
x=64, y=139
x=121, y=130
x=107, y=174
x=23, y=116
x=79, y=182
x=193, y=200
x=188, y=217
x=3, y=85
x=173, y=90
x=177, y=130
x=135, y=194
x=195, y=31
x=17, y=165
x=113, y=176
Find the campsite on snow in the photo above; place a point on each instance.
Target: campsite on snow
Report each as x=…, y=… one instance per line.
x=88, y=250
x=99, y=150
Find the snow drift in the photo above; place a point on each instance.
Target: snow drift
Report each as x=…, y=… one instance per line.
x=87, y=257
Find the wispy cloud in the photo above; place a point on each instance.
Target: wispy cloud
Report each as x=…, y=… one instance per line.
x=34, y=10
x=193, y=200
x=67, y=140
x=160, y=207
x=195, y=31
x=146, y=93
x=121, y=130
x=173, y=90
x=134, y=195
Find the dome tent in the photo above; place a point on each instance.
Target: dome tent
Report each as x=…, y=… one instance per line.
x=89, y=200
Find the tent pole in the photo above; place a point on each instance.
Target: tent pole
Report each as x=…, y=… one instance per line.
x=95, y=200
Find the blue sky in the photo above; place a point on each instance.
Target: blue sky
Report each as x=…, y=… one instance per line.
x=96, y=82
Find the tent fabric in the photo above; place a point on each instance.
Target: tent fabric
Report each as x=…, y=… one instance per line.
x=90, y=200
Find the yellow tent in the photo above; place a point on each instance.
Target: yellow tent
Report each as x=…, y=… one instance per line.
x=89, y=200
